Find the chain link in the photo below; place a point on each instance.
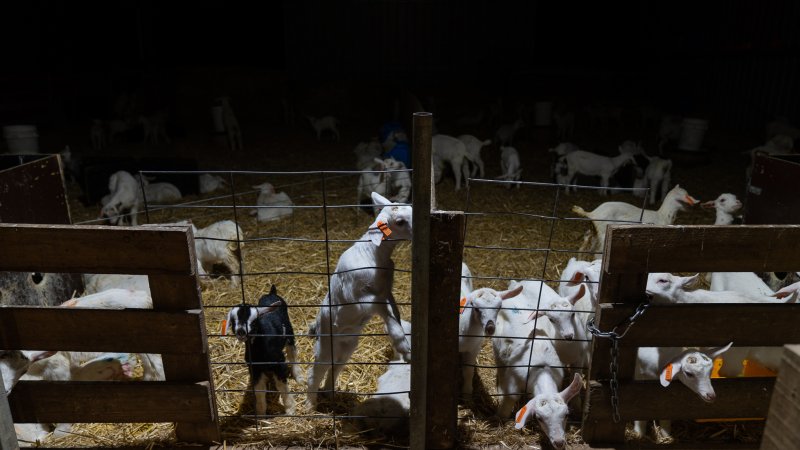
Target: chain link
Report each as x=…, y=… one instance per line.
x=615, y=336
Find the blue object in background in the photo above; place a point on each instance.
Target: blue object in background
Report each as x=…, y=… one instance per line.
x=401, y=152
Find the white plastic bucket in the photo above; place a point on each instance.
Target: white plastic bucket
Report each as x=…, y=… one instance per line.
x=692, y=133
x=216, y=115
x=542, y=114
x=21, y=139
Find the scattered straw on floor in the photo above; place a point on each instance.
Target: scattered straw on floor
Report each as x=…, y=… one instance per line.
x=476, y=423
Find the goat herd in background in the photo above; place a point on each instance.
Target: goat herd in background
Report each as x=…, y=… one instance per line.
x=538, y=335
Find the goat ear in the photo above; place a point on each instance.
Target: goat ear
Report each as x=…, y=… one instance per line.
x=273, y=290
x=533, y=315
x=708, y=205
x=577, y=278
x=573, y=389
x=669, y=372
x=690, y=282
x=718, y=351
x=263, y=310
x=577, y=295
x=511, y=293
x=374, y=233
x=785, y=292
x=229, y=321
x=522, y=416
x=380, y=200
x=34, y=356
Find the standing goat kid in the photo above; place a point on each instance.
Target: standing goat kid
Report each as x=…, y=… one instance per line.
x=266, y=330
x=360, y=288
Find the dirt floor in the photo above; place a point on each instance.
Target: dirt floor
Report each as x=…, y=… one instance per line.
x=290, y=264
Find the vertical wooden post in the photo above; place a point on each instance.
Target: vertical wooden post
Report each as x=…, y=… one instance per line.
x=781, y=430
x=436, y=261
x=8, y=437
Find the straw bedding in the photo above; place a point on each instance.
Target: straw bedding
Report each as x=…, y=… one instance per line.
x=303, y=292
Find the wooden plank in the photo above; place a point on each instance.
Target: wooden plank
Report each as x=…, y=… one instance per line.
x=752, y=324
x=781, y=430
x=78, y=329
x=443, y=359
x=701, y=248
x=110, y=402
x=645, y=400
x=96, y=249
x=8, y=437
x=34, y=192
x=175, y=293
x=423, y=397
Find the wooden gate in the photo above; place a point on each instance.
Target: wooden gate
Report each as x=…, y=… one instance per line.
x=174, y=328
x=633, y=251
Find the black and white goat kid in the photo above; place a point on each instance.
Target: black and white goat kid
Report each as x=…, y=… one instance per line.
x=266, y=330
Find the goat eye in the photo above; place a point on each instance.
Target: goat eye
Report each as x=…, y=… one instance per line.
x=400, y=222
x=722, y=201
x=662, y=281
x=689, y=375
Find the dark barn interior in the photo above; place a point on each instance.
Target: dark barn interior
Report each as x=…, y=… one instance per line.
x=153, y=86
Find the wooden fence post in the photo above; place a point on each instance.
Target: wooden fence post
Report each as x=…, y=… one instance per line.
x=436, y=260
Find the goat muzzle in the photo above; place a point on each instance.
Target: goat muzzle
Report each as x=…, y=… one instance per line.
x=490, y=328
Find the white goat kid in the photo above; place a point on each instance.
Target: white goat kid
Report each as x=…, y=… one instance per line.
x=676, y=200
x=272, y=205
x=474, y=146
x=667, y=288
x=510, y=165
x=126, y=195
x=326, y=123
x=592, y=164
x=360, y=289
x=690, y=367
x=658, y=177
x=725, y=205
x=219, y=243
x=549, y=406
x=477, y=319
x=232, y=130
x=209, y=183
x=447, y=149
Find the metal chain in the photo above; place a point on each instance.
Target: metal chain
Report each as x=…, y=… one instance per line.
x=614, y=364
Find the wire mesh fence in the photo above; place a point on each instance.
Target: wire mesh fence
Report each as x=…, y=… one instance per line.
x=297, y=252
x=515, y=231
x=525, y=234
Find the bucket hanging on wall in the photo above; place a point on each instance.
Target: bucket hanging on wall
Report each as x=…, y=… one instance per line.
x=21, y=139
x=692, y=133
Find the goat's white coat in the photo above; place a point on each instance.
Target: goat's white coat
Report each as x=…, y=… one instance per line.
x=217, y=244
x=273, y=202
x=510, y=165
x=360, y=289
x=658, y=177
x=473, y=146
x=209, y=183
x=325, y=123
x=447, y=149
x=125, y=194
x=619, y=211
x=588, y=163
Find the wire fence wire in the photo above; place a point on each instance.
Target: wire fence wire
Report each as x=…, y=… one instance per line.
x=526, y=234
x=297, y=253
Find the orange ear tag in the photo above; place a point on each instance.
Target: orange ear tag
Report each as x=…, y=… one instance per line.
x=462, y=303
x=223, y=326
x=521, y=413
x=384, y=229
x=668, y=374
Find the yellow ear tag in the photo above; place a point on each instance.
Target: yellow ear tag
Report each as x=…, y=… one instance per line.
x=223, y=326
x=521, y=413
x=668, y=374
x=384, y=229
x=462, y=303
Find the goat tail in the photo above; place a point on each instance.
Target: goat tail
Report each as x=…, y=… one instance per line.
x=579, y=211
